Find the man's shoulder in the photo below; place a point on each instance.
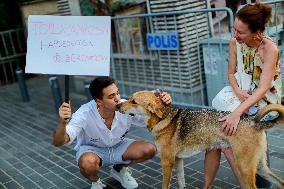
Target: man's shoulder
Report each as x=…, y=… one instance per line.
x=87, y=107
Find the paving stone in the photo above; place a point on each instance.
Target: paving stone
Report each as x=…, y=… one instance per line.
x=12, y=185
x=2, y=186
x=12, y=171
x=68, y=176
x=222, y=184
x=48, y=164
x=72, y=169
x=5, y=178
x=79, y=183
x=29, y=184
x=150, y=172
x=61, y=183
x=20, y=178
x=27, y=171
x=44, y=183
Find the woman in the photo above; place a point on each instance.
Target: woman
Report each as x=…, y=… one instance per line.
x=260, y=59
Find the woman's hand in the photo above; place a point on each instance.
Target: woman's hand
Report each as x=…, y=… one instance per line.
x=165, y=97
x=243, y=95
x=230, y=123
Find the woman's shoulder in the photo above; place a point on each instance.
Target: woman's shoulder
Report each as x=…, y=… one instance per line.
x=269, y=46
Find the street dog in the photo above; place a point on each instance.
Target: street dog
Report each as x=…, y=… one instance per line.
x=179, y=132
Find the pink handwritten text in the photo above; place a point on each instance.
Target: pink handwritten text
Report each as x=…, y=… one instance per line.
x=52, y=44
x=48, y=28
x=75, y=58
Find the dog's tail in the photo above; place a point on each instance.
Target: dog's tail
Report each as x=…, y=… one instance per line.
x=273, y=123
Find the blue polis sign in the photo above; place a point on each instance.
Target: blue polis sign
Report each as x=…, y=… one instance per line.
x=162, y=41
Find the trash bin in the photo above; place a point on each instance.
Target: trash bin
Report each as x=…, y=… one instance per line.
x=215, y=57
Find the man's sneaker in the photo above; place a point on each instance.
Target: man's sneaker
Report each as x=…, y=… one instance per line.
x=98, y=185
x=124, y=177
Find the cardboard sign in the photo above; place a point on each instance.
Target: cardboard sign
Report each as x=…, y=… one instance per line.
x=69, y=45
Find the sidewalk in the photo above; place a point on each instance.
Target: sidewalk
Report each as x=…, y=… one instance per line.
x=29, y=160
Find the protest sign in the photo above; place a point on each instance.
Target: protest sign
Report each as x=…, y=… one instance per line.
x=68, y=45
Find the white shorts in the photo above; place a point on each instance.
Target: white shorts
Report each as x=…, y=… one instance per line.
x=109, y=155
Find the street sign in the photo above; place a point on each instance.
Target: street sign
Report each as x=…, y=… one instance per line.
x=162, y=41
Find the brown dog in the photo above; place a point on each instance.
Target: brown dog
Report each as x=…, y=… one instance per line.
x=178, y=132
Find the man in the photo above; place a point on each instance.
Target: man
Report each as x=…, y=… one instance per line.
x=100, y=133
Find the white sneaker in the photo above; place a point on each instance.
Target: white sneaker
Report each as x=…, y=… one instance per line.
x=124, y=177
x=98, y=185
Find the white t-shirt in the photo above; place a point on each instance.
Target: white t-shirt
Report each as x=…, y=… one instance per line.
x=87, y=125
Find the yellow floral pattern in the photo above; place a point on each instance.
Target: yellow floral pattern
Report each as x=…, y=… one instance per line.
x=253, y=64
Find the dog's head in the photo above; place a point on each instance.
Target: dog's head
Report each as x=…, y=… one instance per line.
x=143, y=103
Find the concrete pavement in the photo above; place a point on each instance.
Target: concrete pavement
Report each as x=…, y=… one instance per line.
x=28, y=159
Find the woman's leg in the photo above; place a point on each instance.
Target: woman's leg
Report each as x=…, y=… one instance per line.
x=211, y=165
x=230, y=158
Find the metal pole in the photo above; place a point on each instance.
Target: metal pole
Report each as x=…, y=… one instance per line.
x=66, y=88
x=22, y=85
x=53, y=82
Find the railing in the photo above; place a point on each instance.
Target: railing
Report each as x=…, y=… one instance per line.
x=12, y=54
x=180, y=71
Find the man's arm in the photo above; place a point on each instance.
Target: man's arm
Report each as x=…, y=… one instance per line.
x=59, y=135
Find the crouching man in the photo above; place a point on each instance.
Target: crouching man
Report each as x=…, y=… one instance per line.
x=100, y=131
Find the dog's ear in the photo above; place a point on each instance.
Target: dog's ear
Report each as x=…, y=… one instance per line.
x=159, y=113
x=155, y=109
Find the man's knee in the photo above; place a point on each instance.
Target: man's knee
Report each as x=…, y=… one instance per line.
x=89, y=162
x=149, y=151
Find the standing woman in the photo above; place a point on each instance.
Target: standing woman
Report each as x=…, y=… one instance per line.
x=261, y=60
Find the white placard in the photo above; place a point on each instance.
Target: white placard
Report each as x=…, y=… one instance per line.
x=69, y=45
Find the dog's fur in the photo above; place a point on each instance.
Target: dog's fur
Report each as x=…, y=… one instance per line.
x=179, y=132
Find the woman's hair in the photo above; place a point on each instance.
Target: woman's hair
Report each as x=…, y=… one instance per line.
x=255, y=16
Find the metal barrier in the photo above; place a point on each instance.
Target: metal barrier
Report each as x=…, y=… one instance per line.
x=196, y=71
x=12, y=54
x=275, y=26
x=181, y=71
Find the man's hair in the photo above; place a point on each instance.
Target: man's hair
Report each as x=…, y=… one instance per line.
x=98, y=84
x=255, y=16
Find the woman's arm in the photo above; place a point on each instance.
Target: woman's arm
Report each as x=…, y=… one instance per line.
x=233, y=64
x=270, y=58
x=233, y=61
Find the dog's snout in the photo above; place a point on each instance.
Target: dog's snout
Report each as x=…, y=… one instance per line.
x=118, y=106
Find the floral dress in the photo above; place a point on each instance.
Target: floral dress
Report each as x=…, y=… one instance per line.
x=253, y=64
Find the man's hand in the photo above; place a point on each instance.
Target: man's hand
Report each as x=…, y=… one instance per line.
x=65, y=112
x=230, y=123
x=165, y=97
